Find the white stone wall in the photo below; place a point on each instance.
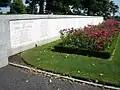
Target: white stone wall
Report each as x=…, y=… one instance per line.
x=24, y=31
x=4, y=42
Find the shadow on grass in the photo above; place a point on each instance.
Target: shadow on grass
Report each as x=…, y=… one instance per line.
x=103, y=55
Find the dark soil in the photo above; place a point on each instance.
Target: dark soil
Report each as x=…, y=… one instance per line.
x=17, y=59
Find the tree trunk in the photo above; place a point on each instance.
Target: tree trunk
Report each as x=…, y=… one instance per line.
x=48, y=6
x=41, y=7
x=88, y=12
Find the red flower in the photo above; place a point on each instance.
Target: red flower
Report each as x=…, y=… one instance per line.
x=97, y=41
x=98, y=35
x=99, y=47
x=106, y=33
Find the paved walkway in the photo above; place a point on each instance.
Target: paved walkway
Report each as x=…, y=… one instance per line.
x=12, y=78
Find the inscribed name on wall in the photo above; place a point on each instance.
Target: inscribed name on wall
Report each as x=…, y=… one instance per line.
x=21, y=32
x=24, y=32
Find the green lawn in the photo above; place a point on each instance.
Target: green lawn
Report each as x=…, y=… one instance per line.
x=78, y=66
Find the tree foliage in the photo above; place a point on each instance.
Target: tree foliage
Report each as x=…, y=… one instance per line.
x=117, y=18
x=17, y=7
x=80, y=7
x=113, y=8
x=32, y=6
x=4, y=3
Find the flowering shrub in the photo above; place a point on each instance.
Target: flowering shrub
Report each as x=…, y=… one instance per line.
x=91, y=37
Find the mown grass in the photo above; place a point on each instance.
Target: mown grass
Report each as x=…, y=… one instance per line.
x=78, y=66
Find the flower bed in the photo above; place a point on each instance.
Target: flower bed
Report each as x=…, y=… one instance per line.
x=92, y=40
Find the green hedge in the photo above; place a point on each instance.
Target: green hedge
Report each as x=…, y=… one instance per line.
x=84, y=52
x=113, y=44
x=100, y=54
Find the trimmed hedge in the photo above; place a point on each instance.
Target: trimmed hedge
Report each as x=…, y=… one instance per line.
x=112, y=47
x=100, y=54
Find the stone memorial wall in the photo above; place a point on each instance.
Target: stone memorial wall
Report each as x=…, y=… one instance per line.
x=22, y=32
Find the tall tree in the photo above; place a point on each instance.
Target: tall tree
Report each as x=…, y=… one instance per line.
x=100, y=7
x=59, y=6
x=31, y=8
x=4, y=3
x=32, y=5
x=113, y=8
x=80, y=7
x=41, y=6
x=109, y=8
x=17, y=7
x=88, y=5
